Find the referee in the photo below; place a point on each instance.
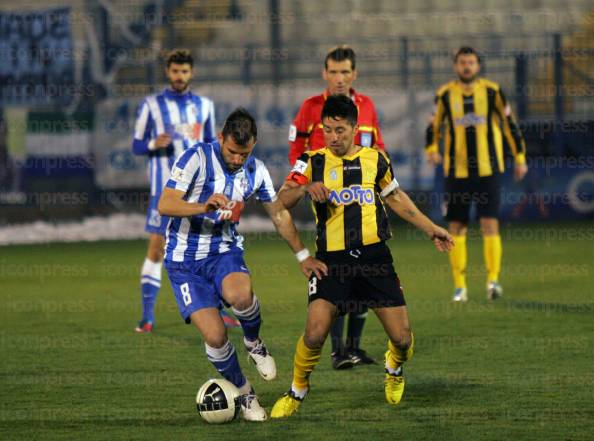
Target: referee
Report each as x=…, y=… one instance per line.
x=476, y=116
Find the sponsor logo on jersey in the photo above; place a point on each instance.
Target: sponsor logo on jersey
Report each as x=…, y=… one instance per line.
x=230, y=212
x=351, y=195
x=470, y=120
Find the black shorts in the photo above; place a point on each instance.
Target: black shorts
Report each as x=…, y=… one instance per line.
x=358, y=277
x=460, y=194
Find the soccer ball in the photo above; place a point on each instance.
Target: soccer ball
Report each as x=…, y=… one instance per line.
x=218, y=401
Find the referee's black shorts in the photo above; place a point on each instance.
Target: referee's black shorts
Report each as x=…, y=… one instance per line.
x=358, y=278
x=460, y=194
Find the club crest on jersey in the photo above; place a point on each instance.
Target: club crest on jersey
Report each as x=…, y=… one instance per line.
x=351, y=195
x=193, y=111
x=333, y=175
x=244, y=184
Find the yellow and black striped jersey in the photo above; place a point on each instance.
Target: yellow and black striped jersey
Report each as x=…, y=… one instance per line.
x=473, y=144
x=354, y=214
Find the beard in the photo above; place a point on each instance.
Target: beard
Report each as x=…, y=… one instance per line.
x=179, y=86
x=467, y=79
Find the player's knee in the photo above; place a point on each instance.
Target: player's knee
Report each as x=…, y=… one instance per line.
x=403, y=340
x=215, y=340
x=155, y=252
x=457, y=228
x=489, y=226
x=242, y=299
x=314, y=339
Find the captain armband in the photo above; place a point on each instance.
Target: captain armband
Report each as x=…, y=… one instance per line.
x=297, y=173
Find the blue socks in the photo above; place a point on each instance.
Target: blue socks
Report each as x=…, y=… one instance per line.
x=250, y=320
x=225, y=361
x=150, y=283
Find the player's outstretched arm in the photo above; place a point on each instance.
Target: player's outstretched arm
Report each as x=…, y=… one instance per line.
x=283, y=222
x=172, y=203
x=291, y=193
x=401, y=204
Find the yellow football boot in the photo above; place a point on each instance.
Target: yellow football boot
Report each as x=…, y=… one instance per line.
x=286, y=405
x=394, y=386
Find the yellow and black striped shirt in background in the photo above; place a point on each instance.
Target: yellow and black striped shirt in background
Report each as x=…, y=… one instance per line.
x=473, y=144
x=354, y=214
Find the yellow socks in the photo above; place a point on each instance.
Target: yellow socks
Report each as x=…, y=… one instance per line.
x=395, y=357
x=492, y=249
x=304, y=363
x=458, y=261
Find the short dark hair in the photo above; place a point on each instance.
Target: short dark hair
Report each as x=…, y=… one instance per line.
x=340, y=106
x=340, y=53
x=240, y=126
x=467, y=50
x=180, y=56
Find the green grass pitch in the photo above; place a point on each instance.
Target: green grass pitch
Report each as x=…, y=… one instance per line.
x=71, y=367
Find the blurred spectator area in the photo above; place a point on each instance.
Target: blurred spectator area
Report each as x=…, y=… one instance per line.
x=73, y=133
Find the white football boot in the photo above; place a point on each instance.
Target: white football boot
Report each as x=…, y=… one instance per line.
x=460, y=295
x=251, y=409
x=263, y=360
x=494, y=290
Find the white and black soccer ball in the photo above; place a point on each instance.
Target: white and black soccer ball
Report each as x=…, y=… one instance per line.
x=218, y=401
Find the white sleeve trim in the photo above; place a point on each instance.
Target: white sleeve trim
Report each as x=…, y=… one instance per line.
x=390, y=188
x=141, y=122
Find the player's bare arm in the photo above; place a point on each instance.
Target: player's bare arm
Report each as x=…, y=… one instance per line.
x=401, y=204
x=286, y=228
x=291, y=193
x=172, y=203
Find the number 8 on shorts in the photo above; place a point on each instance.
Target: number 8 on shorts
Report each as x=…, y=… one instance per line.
x=186, y=296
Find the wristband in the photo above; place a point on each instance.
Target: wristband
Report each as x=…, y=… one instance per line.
x=302, y=255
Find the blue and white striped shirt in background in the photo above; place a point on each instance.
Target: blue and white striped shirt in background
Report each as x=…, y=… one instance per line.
x=186, y=117
x=200, y=172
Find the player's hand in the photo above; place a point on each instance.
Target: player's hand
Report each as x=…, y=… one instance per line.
x=441, y=238
x=318, y=191
x=231, y=211
x=315, y=266
x=163, y=141
x=434, y=158
x=520, y=171
x=216, y=201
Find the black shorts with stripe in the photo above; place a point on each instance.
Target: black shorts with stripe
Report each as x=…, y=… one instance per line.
x=358, y=277
x=461, y=194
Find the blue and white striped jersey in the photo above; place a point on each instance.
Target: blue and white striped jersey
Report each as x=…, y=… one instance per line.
x=200, y=172
x=186, y=117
